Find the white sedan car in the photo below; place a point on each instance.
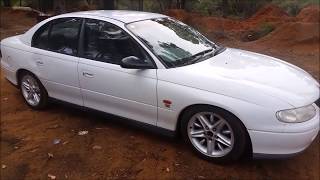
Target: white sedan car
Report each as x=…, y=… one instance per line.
x=156, y=70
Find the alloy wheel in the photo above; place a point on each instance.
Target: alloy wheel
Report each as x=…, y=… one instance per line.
x=30, y=90
x=210, y=134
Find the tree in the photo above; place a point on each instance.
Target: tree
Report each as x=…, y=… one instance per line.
x=108, y=4
x=225, y=8
x=45, y=5
x=59, y=6
x=140, y=5
x=6, y=3
x=181, y=4
x=164, y=4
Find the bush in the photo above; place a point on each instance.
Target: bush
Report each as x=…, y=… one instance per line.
x=266, y=28
x=244, y=8
x=225, y=8
x=293, y=7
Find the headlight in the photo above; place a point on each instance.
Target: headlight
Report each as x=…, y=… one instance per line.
x=296, y=115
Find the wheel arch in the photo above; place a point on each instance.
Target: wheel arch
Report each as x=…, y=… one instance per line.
x=248, y=152
x=19, y=73
x=44, y=93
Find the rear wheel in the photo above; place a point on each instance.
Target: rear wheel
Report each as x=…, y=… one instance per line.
x=214, y=133
x=33, y=91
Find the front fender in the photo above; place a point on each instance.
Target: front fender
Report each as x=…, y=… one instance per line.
x=253, y=116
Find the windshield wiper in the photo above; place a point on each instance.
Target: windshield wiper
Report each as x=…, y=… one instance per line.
x=218, y=50
x=195, y=58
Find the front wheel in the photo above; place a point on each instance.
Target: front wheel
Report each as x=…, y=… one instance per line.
x=214, y=133
x=33, y=91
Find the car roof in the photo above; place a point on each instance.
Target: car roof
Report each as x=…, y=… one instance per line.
x=124, y=16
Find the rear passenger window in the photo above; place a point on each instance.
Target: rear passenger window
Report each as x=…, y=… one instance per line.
x=40, y=39
x=64, y=36
x=108, y=43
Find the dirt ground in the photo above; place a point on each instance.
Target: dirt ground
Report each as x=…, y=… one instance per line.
x=115, y=149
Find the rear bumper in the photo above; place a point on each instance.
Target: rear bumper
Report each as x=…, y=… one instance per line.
x=296, y=138
x=9, y=74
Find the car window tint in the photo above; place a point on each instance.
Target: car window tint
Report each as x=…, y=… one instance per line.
x=108, y=43
x=64, y=36
x=40, y=38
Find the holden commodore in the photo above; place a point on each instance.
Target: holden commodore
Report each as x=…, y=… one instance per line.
x=158, y=71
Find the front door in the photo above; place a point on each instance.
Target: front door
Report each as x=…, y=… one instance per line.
x=106, y=86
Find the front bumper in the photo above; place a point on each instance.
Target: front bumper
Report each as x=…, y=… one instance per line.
x=295, y=139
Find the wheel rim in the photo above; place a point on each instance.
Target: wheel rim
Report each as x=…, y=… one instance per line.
x=210, y=134
x=30, y=90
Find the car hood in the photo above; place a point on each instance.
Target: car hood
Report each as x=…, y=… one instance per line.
x=248, y=76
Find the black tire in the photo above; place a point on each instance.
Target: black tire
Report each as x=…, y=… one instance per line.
x=42, y=91
x=241, y=138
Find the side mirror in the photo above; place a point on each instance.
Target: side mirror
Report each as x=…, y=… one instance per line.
x=132, y=62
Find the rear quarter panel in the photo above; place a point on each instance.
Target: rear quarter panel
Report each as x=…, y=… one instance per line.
x=16, y=55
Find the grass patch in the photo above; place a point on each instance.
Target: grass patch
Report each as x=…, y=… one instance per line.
x=266, y=28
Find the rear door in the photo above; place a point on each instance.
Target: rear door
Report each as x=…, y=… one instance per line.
x=55, y=56
x=105, y=85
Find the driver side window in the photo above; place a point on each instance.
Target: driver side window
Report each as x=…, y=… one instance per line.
x=108, y=43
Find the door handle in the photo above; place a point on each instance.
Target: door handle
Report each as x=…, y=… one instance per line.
x=40, y=63
x=86, y=74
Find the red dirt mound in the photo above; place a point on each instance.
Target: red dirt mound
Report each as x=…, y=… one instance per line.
x=270, y=11
x=300, y=37
x=309, y=14
x=295, y=34
x=268, y=14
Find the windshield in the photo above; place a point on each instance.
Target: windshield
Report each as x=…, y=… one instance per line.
x=175, y=43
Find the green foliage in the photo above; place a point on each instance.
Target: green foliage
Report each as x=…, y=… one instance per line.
x=148, y=5
x=244, y=8
x=225, y=8
x=234, y=8
x=16, y=2
x=202, y=6
x=266, y=28
x=293, y=7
